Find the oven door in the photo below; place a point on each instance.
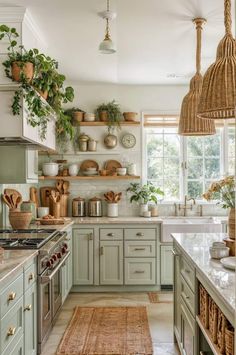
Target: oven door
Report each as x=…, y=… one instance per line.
x=56, y=292
x=45, y=311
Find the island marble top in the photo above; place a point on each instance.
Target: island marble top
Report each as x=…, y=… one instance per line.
x=196, y=247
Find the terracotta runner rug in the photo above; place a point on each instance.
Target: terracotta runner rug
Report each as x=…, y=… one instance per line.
x=107, y=331
x=160, y=297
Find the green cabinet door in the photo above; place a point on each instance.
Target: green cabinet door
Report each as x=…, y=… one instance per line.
x=111, y=263
x=166, y=265
x=177, y=295
x=83, y=256
x=30, y=321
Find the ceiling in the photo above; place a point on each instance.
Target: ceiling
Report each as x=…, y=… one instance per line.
x=155, y=39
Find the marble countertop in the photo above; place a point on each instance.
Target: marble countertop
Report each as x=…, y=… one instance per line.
x=196, y=247
x=13, y=260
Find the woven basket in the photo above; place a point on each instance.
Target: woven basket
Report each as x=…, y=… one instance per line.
x=204, y=306
x=130, y=116
x=78, y=116
x=229, y=340
x=222, y=325
x=213, y=319
x=19, y=219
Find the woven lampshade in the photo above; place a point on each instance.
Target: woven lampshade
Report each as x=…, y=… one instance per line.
x=189, y=123
x=218, y=97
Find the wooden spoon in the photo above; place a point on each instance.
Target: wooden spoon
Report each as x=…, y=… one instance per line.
x=7, y=201
x=66, y=185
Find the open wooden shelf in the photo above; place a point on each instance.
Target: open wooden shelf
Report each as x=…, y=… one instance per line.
x=97, y=177
x=207, y=336
x=99, y=123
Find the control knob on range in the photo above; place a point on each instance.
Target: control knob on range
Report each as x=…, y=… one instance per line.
x=54, y=257
x=48, y=263
x=63, y=250
x=59, y=255
x=65, y=245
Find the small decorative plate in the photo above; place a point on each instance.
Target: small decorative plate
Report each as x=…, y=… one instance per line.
x=128, y=140
x=229, y=262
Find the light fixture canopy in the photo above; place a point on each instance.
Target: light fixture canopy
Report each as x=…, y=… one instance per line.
x=107, y=46
x=189, y=123
x=218, y=97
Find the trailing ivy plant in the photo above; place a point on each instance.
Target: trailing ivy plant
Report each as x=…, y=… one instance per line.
x=114, y=114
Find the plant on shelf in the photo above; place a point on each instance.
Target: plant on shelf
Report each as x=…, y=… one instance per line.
x=76, y=115
x=109, y=113
x=223, y=191
x=143, y=194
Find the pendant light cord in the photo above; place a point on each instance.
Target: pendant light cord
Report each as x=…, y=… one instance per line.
x=228, y=20
x=199, y=22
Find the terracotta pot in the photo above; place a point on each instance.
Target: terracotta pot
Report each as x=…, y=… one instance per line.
x=231, y=223
x=78, y=116
x=19, y=219
x=103, y=116
x=44, y=94
x=27, y=69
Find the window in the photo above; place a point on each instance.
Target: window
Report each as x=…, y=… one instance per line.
x=185, y=165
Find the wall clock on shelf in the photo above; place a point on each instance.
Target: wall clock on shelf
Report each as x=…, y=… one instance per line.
x=128, y=140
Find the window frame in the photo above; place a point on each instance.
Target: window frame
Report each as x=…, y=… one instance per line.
x=183, y=154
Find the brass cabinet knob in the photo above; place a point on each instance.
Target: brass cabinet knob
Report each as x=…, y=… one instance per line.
x=11, y=296
x=90, y=236
x=140, y=234
x=110, y=234
x=11, y=331
x=31, y=276
x=28, y=307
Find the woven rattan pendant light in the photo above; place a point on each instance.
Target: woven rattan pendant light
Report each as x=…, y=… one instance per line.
x=189, y=123
x=218, y=98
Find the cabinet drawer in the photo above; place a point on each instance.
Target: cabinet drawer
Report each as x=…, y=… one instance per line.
x=187, y=296
x=140, y=248
x=140, y=234
x=10, y=296
x=140, y=271
x=188, y=273
x=12, y=326
x=111, y=234
x=30, y=275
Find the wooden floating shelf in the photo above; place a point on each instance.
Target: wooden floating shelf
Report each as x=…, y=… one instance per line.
x=207, y=336
x=126, y=177
x=99, y=123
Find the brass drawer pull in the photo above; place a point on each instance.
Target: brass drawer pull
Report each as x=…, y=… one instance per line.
x=101, y=250
x=28, y=307
x=140, y=234
x=31, y=276
x=110, y=234
x=139, y=272
x=11, y=296
x=90, y=236
x=137, y=249
x=11, y=331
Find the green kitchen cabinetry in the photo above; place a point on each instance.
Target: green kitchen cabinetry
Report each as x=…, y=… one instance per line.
x=67, y=269
x=166, y=265
x=30, y=320
x=111, y=262
x=83, y=256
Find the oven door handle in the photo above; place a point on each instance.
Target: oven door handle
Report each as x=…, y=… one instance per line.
x=46, y=279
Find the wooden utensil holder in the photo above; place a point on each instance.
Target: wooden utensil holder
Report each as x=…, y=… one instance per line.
x=64, y=205
x=56, y=209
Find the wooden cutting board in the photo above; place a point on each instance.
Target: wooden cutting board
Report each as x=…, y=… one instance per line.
x=34, y=196
x=45, y=192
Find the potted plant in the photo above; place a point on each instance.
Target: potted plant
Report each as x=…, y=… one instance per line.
x=76, y=115
x=144, y=194
x=224, y=191
x=109, y=113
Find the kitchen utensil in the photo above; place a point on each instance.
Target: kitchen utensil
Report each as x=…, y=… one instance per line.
x=110, y=141
x=88, y=164
x=73, y=169
x=34, y=195
x=92, y=145
x=78, y=207
x=95, y=207
x=65, y=186
x=59, y=186
x=29, y=206
x=50, y=169
x=45, y=192
x=112, y=210
x=14, y=197
x=42, y=211
x=121, y=171
x=112, y=165
x=19, y=219
x=229, y=263
x=219, y=252
x=6, y=199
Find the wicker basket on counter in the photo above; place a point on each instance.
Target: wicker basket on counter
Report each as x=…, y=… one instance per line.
x=229, y=340
x=204, y=306
x=221, y=328
x=213, y=319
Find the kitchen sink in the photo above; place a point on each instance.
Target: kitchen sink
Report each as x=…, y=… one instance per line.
x=189, y=225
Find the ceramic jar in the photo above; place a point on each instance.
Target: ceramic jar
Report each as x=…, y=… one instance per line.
x=112, y=210
x=92, y=145
x=132, y=169
x=73, y=169
x=143, y=209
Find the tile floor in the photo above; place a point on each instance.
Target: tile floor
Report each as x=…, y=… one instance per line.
x=159, y=315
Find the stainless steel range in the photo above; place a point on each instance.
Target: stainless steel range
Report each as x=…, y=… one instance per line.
x=53, y=252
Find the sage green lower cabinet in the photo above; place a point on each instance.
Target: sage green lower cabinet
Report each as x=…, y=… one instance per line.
x=166, y=265
x=111, y=262
x=83, y=256
x=188, y=331
x=67, y=270
x=140, y=271
x=30, y=320
x=177, y=295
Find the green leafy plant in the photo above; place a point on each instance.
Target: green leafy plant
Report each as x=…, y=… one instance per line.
x=144, y=193
x=114, y=114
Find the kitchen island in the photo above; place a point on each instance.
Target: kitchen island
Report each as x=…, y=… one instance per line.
x=193, y=268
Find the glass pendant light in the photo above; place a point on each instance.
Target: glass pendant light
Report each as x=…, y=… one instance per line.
x=218, y=97
x=189, y=123
x=107, y=46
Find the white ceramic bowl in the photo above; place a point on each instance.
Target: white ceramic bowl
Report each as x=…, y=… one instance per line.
x=91, y=170
x=42, y=211
x=219, y=253
x=50, y=169
x=121, y=171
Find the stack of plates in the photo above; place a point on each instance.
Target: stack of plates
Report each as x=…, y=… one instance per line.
x=229, y=263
